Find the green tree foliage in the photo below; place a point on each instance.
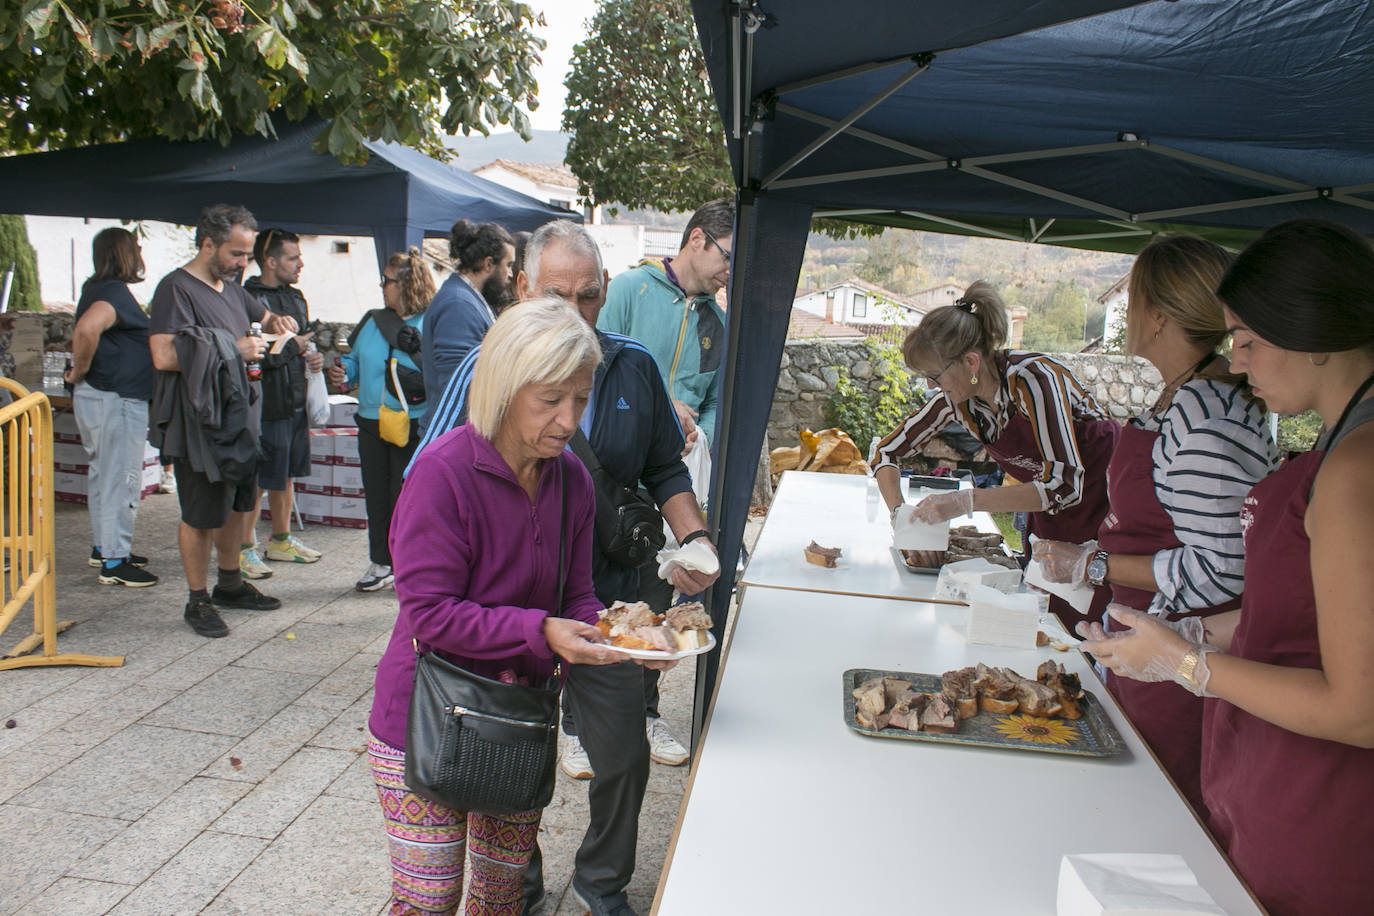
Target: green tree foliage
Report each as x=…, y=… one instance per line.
x=893, y=261
x=1298, y=433
x=75, y=72
x=863, y=412
x=644, y=127
x=1058, y=317
x=15, y=249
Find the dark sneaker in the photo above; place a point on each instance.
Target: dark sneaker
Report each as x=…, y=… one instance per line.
x=247, y=598
x=133, y=559
x=610, y=905
x=127, y=574
x=204, y=619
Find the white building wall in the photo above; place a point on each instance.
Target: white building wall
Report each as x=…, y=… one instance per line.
x=1116, y=314
x=339, y=286
x=622, y=246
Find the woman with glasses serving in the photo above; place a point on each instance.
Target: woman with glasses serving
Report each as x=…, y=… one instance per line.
x=1029, y=412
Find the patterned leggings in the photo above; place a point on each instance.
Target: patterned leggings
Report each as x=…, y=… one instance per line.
x=427, y=842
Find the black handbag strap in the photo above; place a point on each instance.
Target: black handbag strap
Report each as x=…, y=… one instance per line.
x=583, y=450
x=562, y=536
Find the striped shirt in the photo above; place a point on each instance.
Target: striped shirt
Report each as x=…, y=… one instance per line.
x=1034, y=386
x=1213, y=446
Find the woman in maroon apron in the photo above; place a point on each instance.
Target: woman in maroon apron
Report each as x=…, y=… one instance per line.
x=1033, y=417
x=1171, y=542
x=1288, y=734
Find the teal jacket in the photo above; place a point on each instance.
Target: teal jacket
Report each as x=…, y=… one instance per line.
x=685, y=338
x=366, y=367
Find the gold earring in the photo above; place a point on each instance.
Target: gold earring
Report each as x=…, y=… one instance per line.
x=973, y=380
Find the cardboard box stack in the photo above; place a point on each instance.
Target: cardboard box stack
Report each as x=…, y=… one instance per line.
x=71, y=467
x=333, y=493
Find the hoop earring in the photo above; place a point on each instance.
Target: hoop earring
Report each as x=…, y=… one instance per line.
x=1326, y=358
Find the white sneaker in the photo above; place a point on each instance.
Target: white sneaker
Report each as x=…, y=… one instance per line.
x=375, y=579
x=168, y=482
x=663, y=747
x=252, y=566
x=574, y=760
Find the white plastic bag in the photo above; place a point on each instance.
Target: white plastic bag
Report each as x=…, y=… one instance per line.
x=316, y=400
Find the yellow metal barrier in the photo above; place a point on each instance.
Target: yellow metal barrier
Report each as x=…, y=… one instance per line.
x=27, y=536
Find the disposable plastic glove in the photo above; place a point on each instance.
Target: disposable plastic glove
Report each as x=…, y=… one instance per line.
x=947, y=505
x=1150, y=650
x=1063, y=561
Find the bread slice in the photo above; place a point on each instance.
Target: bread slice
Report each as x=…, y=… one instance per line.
x=822, y=556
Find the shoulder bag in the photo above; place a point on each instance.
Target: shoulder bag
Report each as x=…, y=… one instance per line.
x=629, y=529
x=394, y=425
x=475, y=744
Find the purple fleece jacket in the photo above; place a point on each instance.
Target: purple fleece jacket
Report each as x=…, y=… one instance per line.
x=476, y=568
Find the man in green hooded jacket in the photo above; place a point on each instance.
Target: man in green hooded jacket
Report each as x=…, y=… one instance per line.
x=669, y=305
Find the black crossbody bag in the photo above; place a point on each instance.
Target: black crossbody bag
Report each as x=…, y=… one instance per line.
x=475, y=744
x=629, y=529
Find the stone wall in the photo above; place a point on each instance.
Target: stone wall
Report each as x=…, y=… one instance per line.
x=1124, y=385
x=806, y=377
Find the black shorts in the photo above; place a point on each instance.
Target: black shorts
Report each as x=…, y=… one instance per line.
x=206, y=505
x=285, y=451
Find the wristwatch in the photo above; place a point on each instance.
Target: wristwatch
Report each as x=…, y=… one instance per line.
x=1097, y=569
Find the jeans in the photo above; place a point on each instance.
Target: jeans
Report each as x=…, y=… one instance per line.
x=113, y=430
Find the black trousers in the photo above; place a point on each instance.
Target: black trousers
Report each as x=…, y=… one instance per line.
x=610, y=702
x=658, y=595
x=383, y=467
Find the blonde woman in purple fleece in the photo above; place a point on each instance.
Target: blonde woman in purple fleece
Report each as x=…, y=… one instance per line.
x=475, y=544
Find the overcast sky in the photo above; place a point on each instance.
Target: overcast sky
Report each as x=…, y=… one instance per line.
x=566, y=27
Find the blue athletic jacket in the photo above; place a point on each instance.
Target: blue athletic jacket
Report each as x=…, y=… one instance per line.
x=629, y=422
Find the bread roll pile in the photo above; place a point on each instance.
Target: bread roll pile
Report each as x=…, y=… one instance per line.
x=829, y=451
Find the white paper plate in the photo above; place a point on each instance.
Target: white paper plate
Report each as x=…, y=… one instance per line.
x=659, y=655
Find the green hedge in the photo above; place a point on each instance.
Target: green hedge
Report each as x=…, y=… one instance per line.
x=15, y=248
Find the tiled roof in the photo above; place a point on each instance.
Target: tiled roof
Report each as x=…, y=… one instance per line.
x=803, y=325
x=559, y=176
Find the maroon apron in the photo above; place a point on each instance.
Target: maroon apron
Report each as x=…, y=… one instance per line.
x=1018, y=454
x=1168, y=717
x=1293, y=812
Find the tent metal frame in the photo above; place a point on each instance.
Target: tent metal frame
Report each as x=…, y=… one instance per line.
x=1120, y=222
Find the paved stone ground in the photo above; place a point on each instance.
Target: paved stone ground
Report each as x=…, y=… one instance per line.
x=118, y=791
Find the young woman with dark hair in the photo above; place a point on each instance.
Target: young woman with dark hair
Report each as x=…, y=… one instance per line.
x=112, y=379
x=1030, y=413
x=1171, y=544
x=1288, y=733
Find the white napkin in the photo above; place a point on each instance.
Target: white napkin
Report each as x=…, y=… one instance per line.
x=1079, y=595
x=1131, y=884
x=995, y=619
x=910, y=533
x=695, y=556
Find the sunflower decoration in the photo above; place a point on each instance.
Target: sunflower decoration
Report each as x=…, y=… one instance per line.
x=1036, y=730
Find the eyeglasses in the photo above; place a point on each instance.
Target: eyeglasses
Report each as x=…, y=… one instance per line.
x=712, y=239
x=386, y=280
x=935, y=379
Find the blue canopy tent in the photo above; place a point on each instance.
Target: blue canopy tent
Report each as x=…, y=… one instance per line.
x=398, y=197
x=1090, y=123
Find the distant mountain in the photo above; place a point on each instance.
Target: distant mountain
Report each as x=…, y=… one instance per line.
x=546, y=147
